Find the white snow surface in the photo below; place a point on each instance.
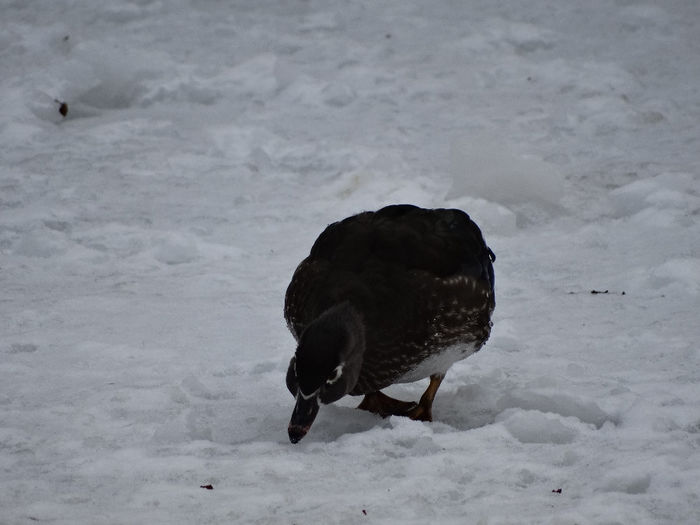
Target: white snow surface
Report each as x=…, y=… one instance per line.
x=147, y=239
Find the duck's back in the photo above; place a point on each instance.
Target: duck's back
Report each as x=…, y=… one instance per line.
x=421, y=279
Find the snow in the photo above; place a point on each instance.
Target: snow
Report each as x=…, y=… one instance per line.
x=147, y=238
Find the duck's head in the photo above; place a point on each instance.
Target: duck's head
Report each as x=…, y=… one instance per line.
x=325, y=366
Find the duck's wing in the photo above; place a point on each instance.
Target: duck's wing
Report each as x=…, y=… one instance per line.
x=441, y=242
x=301, y=301
x=371, y=257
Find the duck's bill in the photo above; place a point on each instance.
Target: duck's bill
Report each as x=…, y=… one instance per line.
x=303, y=416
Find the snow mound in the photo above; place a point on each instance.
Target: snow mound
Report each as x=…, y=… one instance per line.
x=491, y=169
x=383, y=179
x=255, y=78
x=96, y=77
x=558, y=403
x=531, y=426
x=628, y=482
x=42, y=243
x=338, y=95
x=663, y=200
x=677, y=275
x=491, y=217
x=175, y=248
x=656, y=207
x=114, y=239
x=470, y=406
x=23, y=348
x=500, y=34
x=105, y=78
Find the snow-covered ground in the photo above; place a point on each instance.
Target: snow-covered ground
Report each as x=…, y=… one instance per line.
x=147, y=238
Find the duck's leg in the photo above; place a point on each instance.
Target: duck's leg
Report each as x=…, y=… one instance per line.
x=380, y=403
x=423, y=410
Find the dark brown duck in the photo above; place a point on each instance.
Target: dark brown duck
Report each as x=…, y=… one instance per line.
x=385, y=297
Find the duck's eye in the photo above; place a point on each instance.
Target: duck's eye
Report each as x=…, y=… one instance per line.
x=337, y=372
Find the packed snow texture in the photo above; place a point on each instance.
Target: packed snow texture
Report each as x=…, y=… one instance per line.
x=147, y=237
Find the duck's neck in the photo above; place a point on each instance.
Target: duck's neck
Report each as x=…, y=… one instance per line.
x=335, y=340
x=343, y=319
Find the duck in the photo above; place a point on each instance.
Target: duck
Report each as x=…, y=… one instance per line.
x=389, y=296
